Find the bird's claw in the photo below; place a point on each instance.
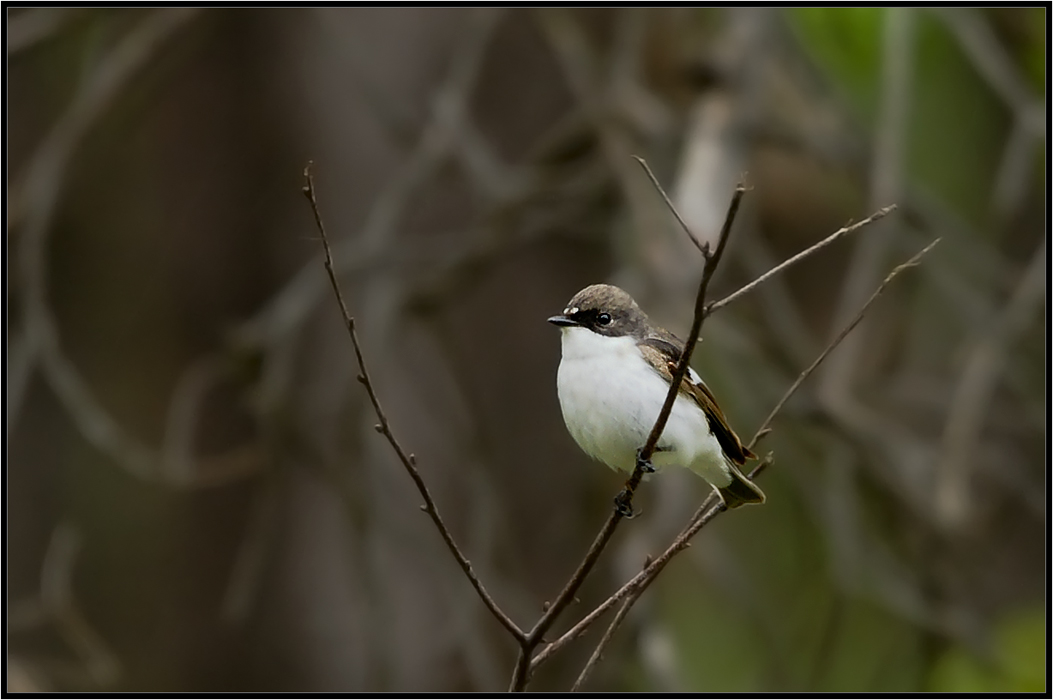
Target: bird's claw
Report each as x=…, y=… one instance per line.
x=644, y=465
x=623, y=505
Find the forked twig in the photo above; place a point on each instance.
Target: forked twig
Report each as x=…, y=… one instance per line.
x=840, y=233
x=384, y=428
x=640, y=579
x=669, y=203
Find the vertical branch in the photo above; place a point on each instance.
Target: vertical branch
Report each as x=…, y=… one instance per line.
x=712, y=259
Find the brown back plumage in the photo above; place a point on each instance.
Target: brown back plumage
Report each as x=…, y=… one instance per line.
x=662, y=351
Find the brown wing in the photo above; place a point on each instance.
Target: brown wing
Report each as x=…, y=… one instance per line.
x=718, y=424
x=663, y=355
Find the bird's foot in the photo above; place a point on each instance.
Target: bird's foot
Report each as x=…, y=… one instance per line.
x=644, y=465
x=623, y=504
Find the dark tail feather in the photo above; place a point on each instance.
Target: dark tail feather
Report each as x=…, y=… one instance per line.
x=741, y=491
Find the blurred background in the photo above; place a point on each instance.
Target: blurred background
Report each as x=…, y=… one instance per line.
x=196, y=498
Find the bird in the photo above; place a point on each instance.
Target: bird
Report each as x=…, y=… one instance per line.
x=614, y=374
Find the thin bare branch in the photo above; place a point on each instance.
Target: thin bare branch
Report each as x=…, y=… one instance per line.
x=597, y=653
x=841, y=335
x=524, y=663
x=836, y=235
x=669, y=203
x=712, y=260
x=384, y=428
x=634, y=583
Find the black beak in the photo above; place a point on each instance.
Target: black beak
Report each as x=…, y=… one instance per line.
x=563, y=321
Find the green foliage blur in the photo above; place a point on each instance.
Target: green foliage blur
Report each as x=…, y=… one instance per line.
x=1017, y=661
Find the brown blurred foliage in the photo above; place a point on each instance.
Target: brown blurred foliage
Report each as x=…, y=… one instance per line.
x=197, y=499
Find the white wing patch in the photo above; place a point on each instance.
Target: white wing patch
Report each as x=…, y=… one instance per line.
x=695, y=379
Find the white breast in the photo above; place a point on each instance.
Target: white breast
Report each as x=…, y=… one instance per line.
x=611, y=397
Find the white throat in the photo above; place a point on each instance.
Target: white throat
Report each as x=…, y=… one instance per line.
x=582, y=344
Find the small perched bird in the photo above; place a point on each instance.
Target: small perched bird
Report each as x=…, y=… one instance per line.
x=613, y=379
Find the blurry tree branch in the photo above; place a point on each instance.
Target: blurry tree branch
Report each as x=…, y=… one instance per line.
x=39, y=194
x=972, y=397
x=34, y=25
x=886, y=170
x=596, y=94
x=997, y=67
x=285, y=313
x=20, y=359
x=56, y=605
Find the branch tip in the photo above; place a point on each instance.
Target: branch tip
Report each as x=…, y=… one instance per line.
x=841, y=232
x=669, y=203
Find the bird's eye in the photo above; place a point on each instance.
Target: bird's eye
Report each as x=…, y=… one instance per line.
x=603, y=319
